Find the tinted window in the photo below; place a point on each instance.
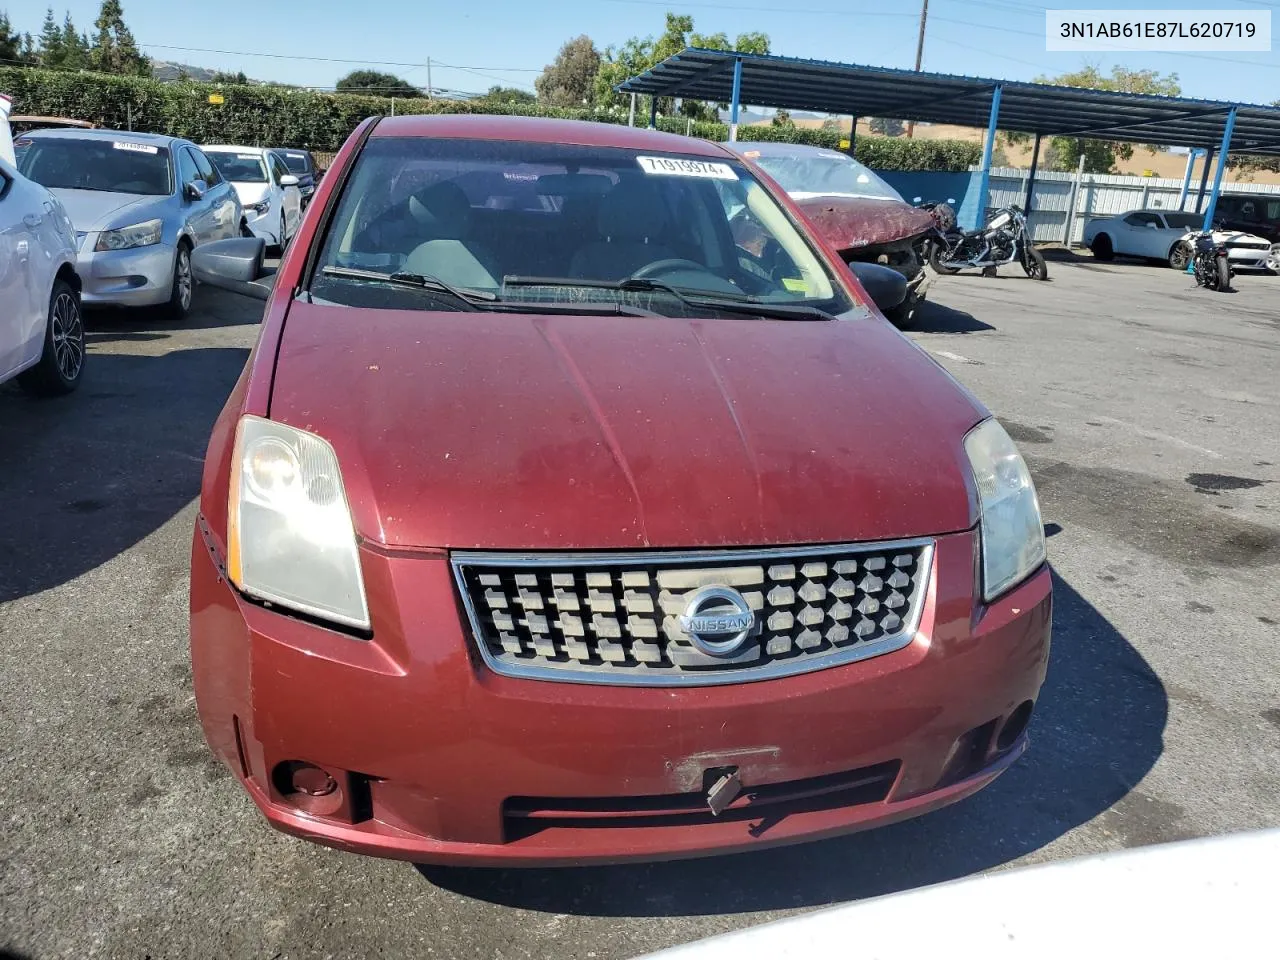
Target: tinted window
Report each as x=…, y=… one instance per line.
x=239, y=167
x=278, y=169
x=187, y=171
x=207, y=171
x=1184, y=221
x=297, y=162
x=112, y=166
x=477, y=213
x=1142, y=219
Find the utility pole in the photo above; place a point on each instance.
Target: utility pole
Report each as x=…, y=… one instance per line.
x=428, y=78
x=924, y=17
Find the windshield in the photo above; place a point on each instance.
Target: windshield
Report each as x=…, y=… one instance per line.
x=824, y=174
x=1184, y=221
x=296, y=162
x=557, y=223
x=239, y=167
x=111, y=166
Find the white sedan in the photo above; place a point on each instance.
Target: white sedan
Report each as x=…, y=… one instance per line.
x=41, y=331
x=1163, y=235
x=268, y=191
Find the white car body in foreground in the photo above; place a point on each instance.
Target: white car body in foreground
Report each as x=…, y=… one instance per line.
x=40, y=326
x=268, y=192
x=1181, y=901
x=1155, y=233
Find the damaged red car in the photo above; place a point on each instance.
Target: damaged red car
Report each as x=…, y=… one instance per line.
x=858, y=213
x=547, y=525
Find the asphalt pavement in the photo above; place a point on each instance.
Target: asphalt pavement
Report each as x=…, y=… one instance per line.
x=1148, y=410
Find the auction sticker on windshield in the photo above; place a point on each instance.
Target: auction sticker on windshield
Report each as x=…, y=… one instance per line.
x=135, y=147
x=672, y=167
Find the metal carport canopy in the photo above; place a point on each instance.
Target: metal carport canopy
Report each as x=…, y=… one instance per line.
x=1036, y=108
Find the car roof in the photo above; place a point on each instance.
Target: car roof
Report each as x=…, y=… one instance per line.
x=542, y=130
x=78, y=133
x=231, y=148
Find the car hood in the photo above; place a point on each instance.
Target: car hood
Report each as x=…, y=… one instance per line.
x=1237, y=236
x=93, y=210
x=500, y=431
x=848, y=223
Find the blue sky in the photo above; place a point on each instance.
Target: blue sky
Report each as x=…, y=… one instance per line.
x=509, y=41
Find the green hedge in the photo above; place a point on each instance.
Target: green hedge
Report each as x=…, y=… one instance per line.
x=279, y=116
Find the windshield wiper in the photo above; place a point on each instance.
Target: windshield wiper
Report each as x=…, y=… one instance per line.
x=472, y=298
x=716, y=300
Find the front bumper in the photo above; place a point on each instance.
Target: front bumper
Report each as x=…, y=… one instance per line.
x=141, y=277
x=1249, y=258
x=440, y=760
x=264, y=225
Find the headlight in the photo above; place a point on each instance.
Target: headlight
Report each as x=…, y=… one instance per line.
x=126, y=238
x=290, y=539
x=261, y=207
x=1012, y=530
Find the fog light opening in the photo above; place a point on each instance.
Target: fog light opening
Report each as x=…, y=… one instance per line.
x=1015, y=726
x=305, y=784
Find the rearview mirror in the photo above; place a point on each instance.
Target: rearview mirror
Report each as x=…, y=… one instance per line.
x=288, y=180
x=195, y=190
x=916, y=199
x=1152, y=226
x=235, y=265
x=886, y=287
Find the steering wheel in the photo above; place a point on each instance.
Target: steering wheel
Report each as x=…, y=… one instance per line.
x=670, y=265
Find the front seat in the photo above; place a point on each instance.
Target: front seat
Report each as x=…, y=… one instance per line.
x=632, y=218
x=443, y=212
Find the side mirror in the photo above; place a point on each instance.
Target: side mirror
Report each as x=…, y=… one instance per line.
x=195, y=190
x=234, y=265
x=288, y=180
x=886, y=287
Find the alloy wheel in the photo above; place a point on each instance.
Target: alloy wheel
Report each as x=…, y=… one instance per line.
x=182, y=276
x=68, y=336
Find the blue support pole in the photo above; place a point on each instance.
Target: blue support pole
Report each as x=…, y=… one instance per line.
x=737, y=96
x=653, y=112
x=1222, y=168
x=1204, y=180
x=1186, y=178
x=984, y=181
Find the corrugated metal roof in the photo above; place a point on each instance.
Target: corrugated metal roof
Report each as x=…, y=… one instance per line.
x=862, y=91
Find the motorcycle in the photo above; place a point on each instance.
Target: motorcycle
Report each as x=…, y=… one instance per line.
x=1003, y=240
x=1210, y=264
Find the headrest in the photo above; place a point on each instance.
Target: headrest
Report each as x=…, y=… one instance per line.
x=632, y=211
x=444, y=209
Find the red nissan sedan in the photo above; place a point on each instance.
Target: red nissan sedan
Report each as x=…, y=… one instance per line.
x=546, y=525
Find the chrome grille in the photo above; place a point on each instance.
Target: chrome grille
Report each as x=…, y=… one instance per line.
x=615, y=618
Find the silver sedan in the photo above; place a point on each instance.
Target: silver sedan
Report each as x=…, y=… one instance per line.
x=140, y=204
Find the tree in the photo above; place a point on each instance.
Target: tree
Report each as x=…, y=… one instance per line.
x=782, y=118
x=75, y=46
x=114, y=49
x=509, y=95
x=1099, y=155
x=51, y=51
x=222, y=76
x=569, y=80
x=377, y=84
x=640, y=53
x=10, y=42
x=885, y=126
